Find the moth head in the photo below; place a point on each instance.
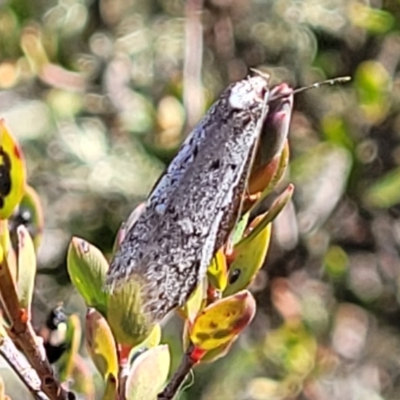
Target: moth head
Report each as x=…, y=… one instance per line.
x=249, y=92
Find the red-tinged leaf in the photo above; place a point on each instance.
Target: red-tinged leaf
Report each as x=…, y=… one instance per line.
x=217, y=353
x=221, y=321
x=270, y=182
x=12, y=173
x=271, y=214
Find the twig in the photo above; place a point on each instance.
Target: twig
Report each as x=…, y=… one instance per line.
x=23, y=335
x=21, y=367
x=179, y=377
x=193, y=97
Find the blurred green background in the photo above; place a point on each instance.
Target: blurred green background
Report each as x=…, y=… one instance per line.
x=101, y=92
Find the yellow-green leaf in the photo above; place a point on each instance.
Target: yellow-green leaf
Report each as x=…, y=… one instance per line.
x=29, y=213
x=276, y=207
x=217, y=272
x=195, y=302
x=12, y=173
x=148, y=374
x=101, y=344
x=125, y=316
x=111, y=388
x=221, y=321
x=7, y=250
x=292, y=348
x=384, y=193
x=249, y=258
x=26, y=268
x=372, y=82
x=87, y=268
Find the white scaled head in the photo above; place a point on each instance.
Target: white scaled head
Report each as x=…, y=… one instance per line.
x=249, y=92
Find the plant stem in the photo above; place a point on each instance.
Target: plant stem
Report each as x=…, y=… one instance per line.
x=186, y=365
x=23, y=335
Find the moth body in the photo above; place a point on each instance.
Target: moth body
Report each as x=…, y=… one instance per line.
x=196, y=203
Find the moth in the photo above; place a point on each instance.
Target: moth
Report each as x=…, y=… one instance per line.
x=195, y=205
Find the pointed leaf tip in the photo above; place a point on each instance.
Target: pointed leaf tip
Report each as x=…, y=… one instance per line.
x=26, y=268
x=87, y=268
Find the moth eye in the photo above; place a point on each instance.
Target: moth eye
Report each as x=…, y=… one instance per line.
x=234, y=276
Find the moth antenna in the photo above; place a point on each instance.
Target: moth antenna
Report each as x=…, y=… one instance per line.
x=334, y=81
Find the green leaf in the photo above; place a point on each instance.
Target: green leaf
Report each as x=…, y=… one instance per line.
x=370, y=18
x=13, y=173
x=276, y=207
x=292, y=348
x=125, y=316
x=148, y=374
x=26, y=268
x=385, y=192
x=221, y=321
x=249, y=258
x=101, y=344
x=7, y=249
x=87, y=268
x=336, y=262
x=372, y=82
x=240, y=228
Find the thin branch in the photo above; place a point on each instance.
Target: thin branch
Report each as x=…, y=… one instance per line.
x=21, y=367
x=184, y=369
x=193, y=97
x=23, y=335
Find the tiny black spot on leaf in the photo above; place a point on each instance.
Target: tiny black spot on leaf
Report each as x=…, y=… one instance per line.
x=234, y=276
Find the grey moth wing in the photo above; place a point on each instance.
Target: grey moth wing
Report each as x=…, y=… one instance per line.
x=194, y=206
